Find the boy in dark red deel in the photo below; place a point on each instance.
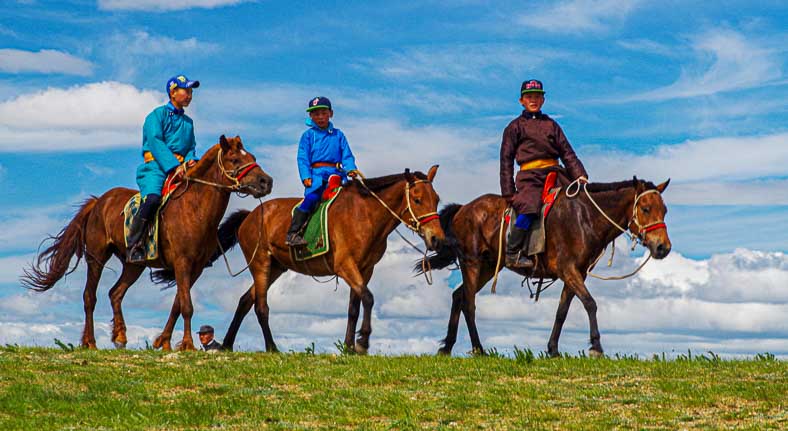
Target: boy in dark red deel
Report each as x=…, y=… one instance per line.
x=535, y=142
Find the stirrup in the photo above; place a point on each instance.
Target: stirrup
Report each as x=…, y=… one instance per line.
x=519, y=261
x=295, y=240
x=136, y=254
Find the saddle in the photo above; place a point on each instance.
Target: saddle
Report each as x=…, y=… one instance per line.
x=132, y=207
x=316, y=231
x=536, y=242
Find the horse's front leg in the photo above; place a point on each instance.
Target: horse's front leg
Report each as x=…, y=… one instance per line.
x=360, y=292
x=164, y=339
x=560, y=316
x=578, y=286
x=129, y=275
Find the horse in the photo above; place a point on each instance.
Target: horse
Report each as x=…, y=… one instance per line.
x=362, y=217
x=577, y=233
x=187, y=236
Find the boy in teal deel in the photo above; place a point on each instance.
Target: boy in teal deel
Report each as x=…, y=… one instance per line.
x=323, y=151
x=167, y=146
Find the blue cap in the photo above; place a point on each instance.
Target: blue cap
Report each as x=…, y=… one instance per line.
x=317, y=103
x=181, y=81
x=531, y=86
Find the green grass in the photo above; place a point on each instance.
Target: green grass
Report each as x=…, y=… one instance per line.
x=42, y=389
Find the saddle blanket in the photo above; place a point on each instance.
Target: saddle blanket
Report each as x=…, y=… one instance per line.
x=316, y=232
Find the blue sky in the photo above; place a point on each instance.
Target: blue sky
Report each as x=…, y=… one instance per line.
x=694, y=91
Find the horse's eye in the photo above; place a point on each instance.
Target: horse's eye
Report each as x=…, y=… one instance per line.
x=646, y=210
x=417, y=201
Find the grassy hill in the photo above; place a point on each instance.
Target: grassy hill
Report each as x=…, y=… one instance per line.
x=42, y=389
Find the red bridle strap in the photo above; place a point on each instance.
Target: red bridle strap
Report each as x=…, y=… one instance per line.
x=246, y=170
x=429, y=218
x=655, y=226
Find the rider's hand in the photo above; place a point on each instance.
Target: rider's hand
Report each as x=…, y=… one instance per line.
x=582, y=179
x=353, y=174
x=191, y=163
x=308, y=182
x=509, y=199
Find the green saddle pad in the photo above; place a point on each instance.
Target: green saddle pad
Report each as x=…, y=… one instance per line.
x=152, y=239
x=316, y=232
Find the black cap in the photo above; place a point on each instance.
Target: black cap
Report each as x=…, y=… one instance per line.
x=317, y=103
x=531, y=86
x=204, y=329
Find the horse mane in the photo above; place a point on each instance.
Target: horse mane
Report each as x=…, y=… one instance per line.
x=607, y=187
x=379, y=183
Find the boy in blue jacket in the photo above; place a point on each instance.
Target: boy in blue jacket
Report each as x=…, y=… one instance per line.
x=323, y=151
x=168, y=146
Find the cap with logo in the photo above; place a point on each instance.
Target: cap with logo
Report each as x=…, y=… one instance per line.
x=317, y=103
x=181, y=81
x=531, y=86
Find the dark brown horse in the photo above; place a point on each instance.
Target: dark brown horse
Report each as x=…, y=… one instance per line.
x=577, y=233
x=361, y=219
x=187, y=237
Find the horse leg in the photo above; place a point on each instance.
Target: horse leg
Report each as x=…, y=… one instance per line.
x=360, y=292
x=244, y=305
x=353, y=310
x=454, y=321
x=164, y=339
x=576, y=283
x=261, y=271
x=560, y=316
x=474, y=278
x=129, y=275
x=95, y=267
x=185, y=278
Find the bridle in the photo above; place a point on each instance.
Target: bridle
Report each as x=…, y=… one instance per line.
x=416, y=222
x=639, y=238
x=234, y=176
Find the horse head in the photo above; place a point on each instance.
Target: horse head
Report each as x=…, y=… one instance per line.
x=239, y=166
x=648, y=219
x=422, y=200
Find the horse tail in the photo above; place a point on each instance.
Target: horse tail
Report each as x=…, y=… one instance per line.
x=449, y=250
x=53, y=263
x=228, y=238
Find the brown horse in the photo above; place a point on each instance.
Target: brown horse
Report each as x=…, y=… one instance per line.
x=187, y=236
x=362, y=217
x=577, y=233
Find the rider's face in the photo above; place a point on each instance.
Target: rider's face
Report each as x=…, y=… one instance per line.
x=532, y=102
x=181, y=97
x=321, y=116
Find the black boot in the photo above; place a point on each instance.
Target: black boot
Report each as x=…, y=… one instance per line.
x=294, y=238
x=136, y=249
x=516, y=249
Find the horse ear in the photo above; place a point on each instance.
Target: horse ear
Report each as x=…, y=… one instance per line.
x=223, y=142
x=663, y=186
x=431, y=173
x=240, y=143
x=408, y=175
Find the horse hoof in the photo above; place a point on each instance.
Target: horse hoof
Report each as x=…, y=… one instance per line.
x=359, y=349
x=119, y=345
x=158, y=343
x=596, y=353
x=478, y=351
x=553, y=354
x=444, y=352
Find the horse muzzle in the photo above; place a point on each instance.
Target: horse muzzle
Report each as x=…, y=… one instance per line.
x=259, y=186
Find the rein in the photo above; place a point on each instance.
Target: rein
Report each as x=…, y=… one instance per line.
x=640, y=238
x=414, y=225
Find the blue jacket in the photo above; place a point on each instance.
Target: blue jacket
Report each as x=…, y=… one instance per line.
x=319, y=145
x=166, y=131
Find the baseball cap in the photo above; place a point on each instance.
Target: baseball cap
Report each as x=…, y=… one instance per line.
x=180, y=81
x=531, y=86
x=317, y=103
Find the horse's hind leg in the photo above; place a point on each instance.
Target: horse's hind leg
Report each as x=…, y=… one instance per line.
x=454, y=321
x=560, y=316
x=474, y=277
x=244, y=305
x=129, y=275
x=95, y=267
x=367, y=301
x=353, y=311
x=261, y=271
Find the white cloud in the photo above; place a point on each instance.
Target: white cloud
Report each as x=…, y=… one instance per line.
x=471, y=62
x=730, y=170
x=43, y=61
x=143, y=43
x=96, y=115
x=164, y=5
x=739, y=63
x=578, y=16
